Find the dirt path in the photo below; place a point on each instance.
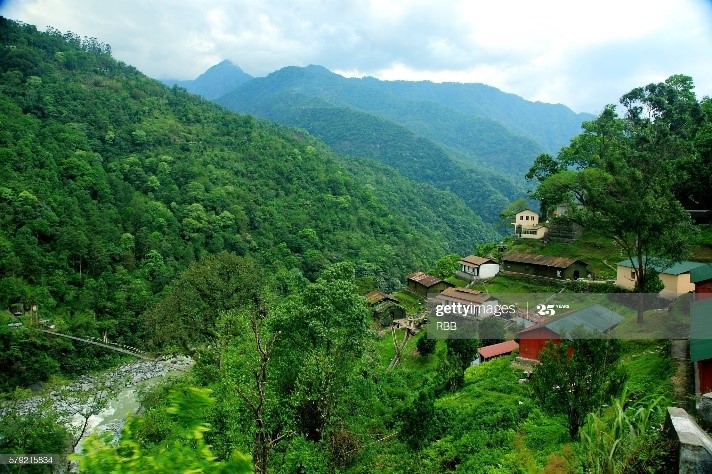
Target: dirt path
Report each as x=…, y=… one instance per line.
x=680, y=379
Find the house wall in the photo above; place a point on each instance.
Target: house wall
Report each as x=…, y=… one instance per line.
x=540, y=233
x=703, y=377
x=623, y=277
x=677, y=284
x=439, y=288
x=532, y=342
x=424, y=291
x=526, y=219
x=487, y=270
x=703, y=290
x=547, y=272
x=417, y=288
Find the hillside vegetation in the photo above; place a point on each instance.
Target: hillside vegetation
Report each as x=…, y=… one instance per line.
x=112, y=183
x=455, y=137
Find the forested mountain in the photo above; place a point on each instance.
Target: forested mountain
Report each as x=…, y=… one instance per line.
x=112, y=183
x=217, y=81
x=470, y=139
x=360, y=134
x=489, y=115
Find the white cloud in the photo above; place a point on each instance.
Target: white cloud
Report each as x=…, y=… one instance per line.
x=582, y=54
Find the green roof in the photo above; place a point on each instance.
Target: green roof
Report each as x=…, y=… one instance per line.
x=702, y=273
x=676, y=269
x=594, y=318
x=701, y=330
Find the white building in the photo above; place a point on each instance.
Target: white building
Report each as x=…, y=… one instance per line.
x=473, y=267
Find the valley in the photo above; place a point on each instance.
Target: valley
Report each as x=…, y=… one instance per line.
x=263, y=238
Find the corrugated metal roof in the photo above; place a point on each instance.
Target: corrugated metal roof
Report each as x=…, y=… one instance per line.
x=545, y=260
x=475, y=260
x=465, y=294
x=702, y=273
x=375, y=297
x=424, y=279
x=594, y=318
x=494, y=350
x=658, y=264
x=701, y=330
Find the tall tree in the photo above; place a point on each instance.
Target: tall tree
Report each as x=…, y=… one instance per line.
x=578, y=376
x=622, y=176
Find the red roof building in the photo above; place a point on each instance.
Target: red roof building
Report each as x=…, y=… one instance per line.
x=486, y=353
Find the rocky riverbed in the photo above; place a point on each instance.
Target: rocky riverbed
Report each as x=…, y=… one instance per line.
x=85, y=403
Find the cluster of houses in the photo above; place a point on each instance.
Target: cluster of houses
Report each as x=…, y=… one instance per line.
x=678, y=279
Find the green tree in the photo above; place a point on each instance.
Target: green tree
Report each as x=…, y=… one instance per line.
x=491, y=330
x=578, y=376
x=425, y=345
x=621, y=175
x=323, y=335
x=462, y=351
x=446, y=266
x=189, y=312
x=188, y=453
x=33, y=433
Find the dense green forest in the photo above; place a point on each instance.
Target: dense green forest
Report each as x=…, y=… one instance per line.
x=112, y=183
x=167, y=222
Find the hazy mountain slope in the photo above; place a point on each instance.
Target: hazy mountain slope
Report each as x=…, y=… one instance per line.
x=215, y=82
x=491, y=117
x=551, y=125
x=359, y=135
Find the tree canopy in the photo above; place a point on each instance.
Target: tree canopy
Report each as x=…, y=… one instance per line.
x=628, y=176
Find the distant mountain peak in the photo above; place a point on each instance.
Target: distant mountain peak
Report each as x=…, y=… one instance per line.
x=224, y=66
x=217, y=81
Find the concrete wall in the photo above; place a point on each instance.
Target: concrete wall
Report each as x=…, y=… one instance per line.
x=695, y=445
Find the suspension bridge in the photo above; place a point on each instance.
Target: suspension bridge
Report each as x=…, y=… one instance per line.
x=103, y=343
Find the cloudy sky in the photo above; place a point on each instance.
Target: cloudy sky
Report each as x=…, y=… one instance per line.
x=581, y=54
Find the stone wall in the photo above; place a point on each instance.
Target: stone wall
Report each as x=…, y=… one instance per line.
x=695, y=445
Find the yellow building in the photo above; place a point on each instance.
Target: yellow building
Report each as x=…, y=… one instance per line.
x=676, y=278
x=526, y=225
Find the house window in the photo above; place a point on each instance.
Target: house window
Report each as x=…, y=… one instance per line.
x=521, y=218
x=632, y=274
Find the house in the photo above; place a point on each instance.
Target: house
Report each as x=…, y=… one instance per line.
x=480, y=305
x=561, y=268
x=701, y=344
x=385, y=308
x=594, y=318
x=473, y=267
x=486, y=353
x=526, y=225
x=676, y=278
x=423, y=284
x=701, y=277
